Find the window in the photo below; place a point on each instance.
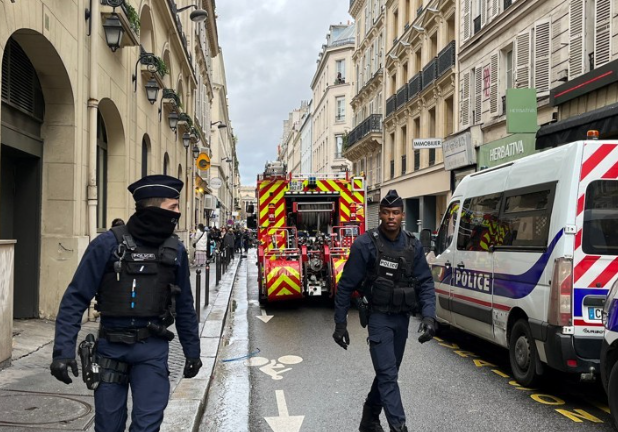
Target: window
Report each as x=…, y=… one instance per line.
x=447, y=229
x=338, y=146
x=508, y=60
x=601, y=218
x=340, y=68
x=340, y=101
x=524, y=222
x=478, y=217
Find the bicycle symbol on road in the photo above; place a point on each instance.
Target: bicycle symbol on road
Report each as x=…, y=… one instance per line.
x=274, y=368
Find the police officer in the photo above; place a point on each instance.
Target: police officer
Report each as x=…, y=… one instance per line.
x=139, y=274
x=388, y=266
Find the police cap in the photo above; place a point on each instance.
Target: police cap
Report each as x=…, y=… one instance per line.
x=392, y=199
x=156, y=186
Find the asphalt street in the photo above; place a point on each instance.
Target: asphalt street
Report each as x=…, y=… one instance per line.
x=300, y=380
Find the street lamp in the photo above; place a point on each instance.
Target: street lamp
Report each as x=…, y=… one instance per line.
x=172, y=118
x=197, y=15
x=113, y=31
x=186, y=140
x=196, y=151
x=220, y=123
x=152, y=90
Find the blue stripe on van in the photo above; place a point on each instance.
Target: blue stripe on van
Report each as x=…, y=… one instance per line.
x=519, y=286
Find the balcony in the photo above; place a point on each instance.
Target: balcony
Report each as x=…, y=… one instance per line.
x=430, y=73
x=414, y=86
x=390, y=105
x=446, y=58
x=402, y=96
x=372, y=124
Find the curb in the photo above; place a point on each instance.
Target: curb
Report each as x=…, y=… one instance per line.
x=186, y=406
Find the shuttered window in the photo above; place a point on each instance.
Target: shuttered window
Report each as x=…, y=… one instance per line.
x=495, y=8
x=465, y=100
x=542, y=56
x=522, y=60
x=20, y=84
x=602, y=32
x=467, y=18
x=494, y=106
x=577, y=18
x=478, y=94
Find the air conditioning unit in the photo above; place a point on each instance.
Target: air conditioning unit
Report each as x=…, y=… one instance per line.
x=210, y=202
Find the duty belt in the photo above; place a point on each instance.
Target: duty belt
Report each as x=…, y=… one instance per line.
x=126, y=336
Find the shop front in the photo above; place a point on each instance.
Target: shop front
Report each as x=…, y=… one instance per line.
x=506, y=149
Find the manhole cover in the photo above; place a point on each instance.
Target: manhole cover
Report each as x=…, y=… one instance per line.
x=36, y=409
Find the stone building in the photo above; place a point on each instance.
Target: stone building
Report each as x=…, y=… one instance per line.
x=81, y=120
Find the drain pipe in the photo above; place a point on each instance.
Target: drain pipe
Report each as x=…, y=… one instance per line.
x=93, y=107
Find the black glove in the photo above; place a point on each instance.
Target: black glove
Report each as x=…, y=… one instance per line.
x=60, y=369
x=341, y=335
x=428, y=328
x=192, y=367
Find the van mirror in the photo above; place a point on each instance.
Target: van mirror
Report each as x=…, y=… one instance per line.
x=426, y=239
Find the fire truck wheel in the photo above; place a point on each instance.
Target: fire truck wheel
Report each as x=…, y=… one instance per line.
x=612, y=393
x=522, y=354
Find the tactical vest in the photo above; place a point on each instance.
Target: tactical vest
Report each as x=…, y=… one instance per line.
x=140, y=283
x=390, y=284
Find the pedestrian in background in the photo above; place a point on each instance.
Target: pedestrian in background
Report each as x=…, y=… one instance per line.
x=134, y=270
x=228, y=243
x=387, y=265
x=201, y=246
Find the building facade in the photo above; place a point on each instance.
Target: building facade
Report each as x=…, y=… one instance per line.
x=306, y=143
x=332, y=93
x=420, y=87
x=80, y=123
x=363, y=146
x=289, y=149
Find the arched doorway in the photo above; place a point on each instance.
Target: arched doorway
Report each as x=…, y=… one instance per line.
x=145, y=154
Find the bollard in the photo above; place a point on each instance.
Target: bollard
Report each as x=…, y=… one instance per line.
x=198, y=289
x=217, y=268
x=207, y=283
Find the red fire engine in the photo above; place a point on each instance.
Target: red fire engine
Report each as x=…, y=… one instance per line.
x=306, y=226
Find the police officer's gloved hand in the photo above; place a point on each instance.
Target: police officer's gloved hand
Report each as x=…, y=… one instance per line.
x=428, y=328
x=60, y=369
x=192, y=367
x=341, y=335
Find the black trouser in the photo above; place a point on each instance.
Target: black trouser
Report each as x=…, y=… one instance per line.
x=388, y=334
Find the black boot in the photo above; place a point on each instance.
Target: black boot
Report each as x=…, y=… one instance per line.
x=401, y=428
x=370, y=422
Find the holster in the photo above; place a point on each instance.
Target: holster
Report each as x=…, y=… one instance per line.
x=90, y=369
x=363, y=311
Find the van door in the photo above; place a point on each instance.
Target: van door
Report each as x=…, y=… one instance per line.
x=471, y=295
x=442, y=265
x=595, y=259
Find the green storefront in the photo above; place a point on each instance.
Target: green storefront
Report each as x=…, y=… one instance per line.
x=507, y=149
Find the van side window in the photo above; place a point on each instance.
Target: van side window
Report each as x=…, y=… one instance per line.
x=525, y=219
x=601, y=218
x=447, y=228
x=478, y=223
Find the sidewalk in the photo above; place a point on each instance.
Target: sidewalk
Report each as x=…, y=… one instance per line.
x=32, y=400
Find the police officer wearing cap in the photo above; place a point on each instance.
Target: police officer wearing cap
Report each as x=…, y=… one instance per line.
x=387, y=265
x=139, y=275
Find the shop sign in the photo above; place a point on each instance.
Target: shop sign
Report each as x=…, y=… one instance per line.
x=521, y=115
x=506, y=150
x=458, y=152
x=426, y=143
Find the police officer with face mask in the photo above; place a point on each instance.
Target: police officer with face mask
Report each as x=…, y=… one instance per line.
x=139, y=275
x=387, y=265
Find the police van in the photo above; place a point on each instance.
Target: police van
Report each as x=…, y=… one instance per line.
x=609, y=351
x=526, y=253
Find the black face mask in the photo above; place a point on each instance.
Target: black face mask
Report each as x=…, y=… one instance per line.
x=153, y=225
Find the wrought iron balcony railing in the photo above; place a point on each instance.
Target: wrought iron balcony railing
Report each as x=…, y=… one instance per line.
x=390, y=105
x=430, y=73
x=446, y=58
x=373, y=123
x=414, y=86
x=402, y=96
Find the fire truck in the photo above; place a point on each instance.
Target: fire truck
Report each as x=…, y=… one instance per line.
x=306, y=226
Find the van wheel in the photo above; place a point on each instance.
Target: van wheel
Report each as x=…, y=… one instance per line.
x=522, y=354
x=612, y=393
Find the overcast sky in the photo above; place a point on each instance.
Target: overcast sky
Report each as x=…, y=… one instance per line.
x=270, y=48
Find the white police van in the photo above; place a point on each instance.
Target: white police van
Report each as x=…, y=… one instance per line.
x=609, y=351
x=526, y=253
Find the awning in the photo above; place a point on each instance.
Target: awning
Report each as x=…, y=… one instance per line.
x=605, y=120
